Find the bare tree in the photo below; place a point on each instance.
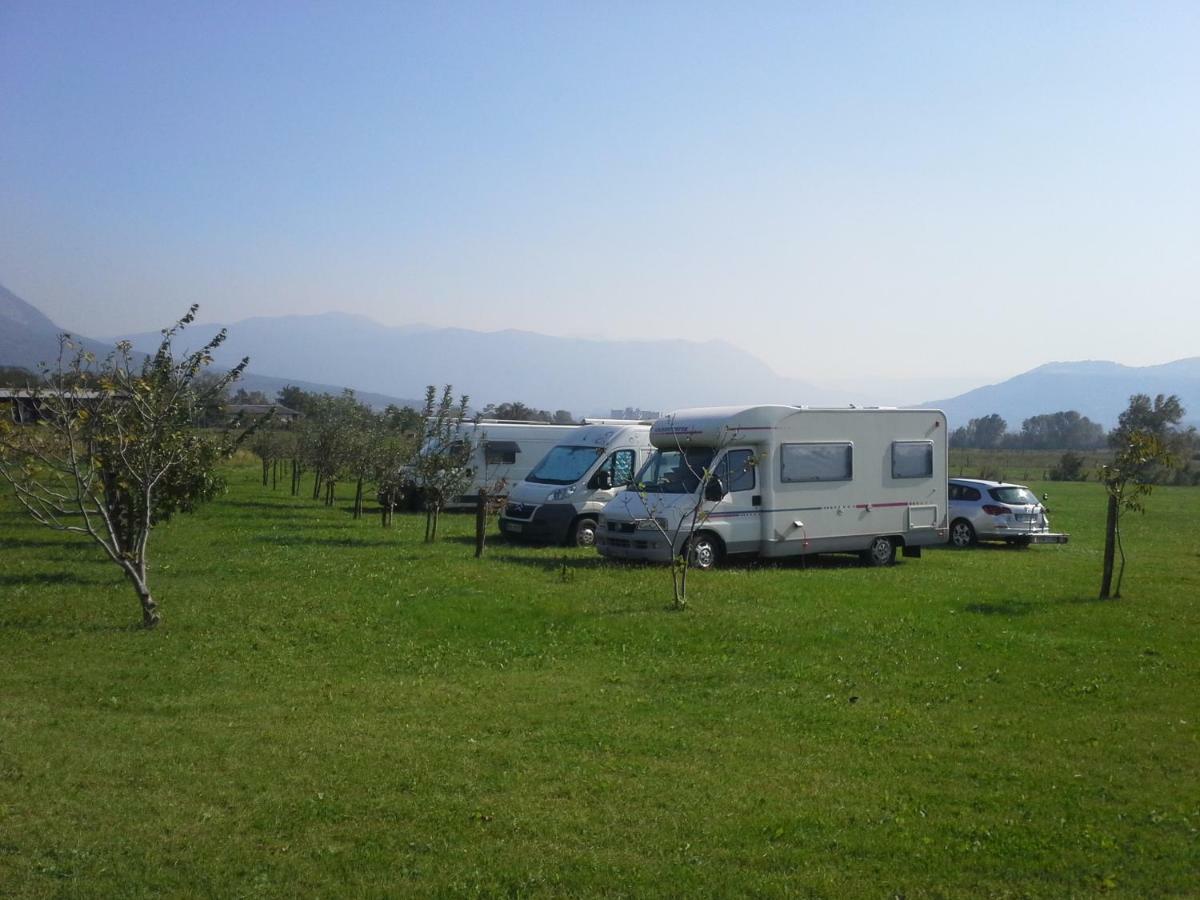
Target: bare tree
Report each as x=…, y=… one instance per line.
x=690, y=472
x=117, y=452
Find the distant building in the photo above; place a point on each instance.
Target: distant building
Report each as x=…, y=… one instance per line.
x=638, y=415
x=26, y=407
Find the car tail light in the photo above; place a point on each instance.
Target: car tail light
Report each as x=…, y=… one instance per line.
x=992, y=510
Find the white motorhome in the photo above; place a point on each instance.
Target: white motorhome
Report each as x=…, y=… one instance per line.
x=559, y=501
x=785, y=481
x=504, y=452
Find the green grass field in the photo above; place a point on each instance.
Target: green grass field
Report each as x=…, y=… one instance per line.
x=1021, y=466
x=334, y=709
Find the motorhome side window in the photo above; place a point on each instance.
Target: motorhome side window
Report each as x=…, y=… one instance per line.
x=737, y=470
x=817, y=462
x=500, y=453
x=912, y=459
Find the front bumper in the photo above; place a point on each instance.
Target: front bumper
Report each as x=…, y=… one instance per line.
x=549, y=524
x=643, y=545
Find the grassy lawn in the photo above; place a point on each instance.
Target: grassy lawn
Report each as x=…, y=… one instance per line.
x=331, y=708
x=1021, y=466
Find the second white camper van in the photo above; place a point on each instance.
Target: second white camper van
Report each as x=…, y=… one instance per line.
x=560, y=499
x=785, y=481
x=504, y=452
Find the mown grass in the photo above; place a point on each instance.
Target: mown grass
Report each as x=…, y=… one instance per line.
x=335, y=709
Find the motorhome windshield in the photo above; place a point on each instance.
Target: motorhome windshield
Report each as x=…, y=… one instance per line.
x=674, y=471
x=564, y=465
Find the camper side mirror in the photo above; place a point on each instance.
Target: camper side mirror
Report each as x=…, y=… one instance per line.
x=714, y=489
x=603, y=480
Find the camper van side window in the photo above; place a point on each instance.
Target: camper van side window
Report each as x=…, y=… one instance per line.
x=500, y=453
x=817, y=462
x=737, y=470
x=912, y=459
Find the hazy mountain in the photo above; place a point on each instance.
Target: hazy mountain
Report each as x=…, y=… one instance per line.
x=579, y=374
x=1097, y=389
x=587, y=376
x=28, y=338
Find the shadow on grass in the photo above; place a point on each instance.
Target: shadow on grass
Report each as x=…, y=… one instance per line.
x=1023, y=607
x=813, y=561
x=743, y=563
x=1010, y=608
x=48, y=578
x=302, y=541
x=497, y=540
x=983, y=547
x=68, y=542
x=550, y=563
x=284, y=504
x=69, y=629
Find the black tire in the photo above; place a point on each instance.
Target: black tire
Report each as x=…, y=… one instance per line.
x=880, y=552
x=583, y=533
x=962, y=534
x=705, y=551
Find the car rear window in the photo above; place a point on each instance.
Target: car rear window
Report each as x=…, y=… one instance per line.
x=1013, y=495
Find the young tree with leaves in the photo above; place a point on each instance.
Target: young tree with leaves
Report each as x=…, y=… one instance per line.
x=442, y=466
x=116, y=452
x=1146, y=443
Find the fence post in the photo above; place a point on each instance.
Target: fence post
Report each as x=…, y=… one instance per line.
x=481, y=522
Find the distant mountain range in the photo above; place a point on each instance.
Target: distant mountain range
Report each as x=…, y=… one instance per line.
x=1097, y=389
x=584, y=376
x=387, y=364
x=28, y=338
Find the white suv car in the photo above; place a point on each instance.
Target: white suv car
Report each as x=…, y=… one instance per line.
x=997, y=511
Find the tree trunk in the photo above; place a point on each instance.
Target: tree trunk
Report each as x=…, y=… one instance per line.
x=275, y=475
x=358, y=499
x=266, y=463
x=481, y=523
x=1110, y=546
x=150, y=614
x=317, y=484
x=1121, y=570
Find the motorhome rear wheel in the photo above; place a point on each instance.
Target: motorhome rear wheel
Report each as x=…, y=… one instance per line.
x=881, y=552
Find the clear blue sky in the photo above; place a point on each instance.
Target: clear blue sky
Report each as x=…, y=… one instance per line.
x=847, y=190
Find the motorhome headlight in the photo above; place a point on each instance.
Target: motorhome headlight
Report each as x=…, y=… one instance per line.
x=562, y=493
